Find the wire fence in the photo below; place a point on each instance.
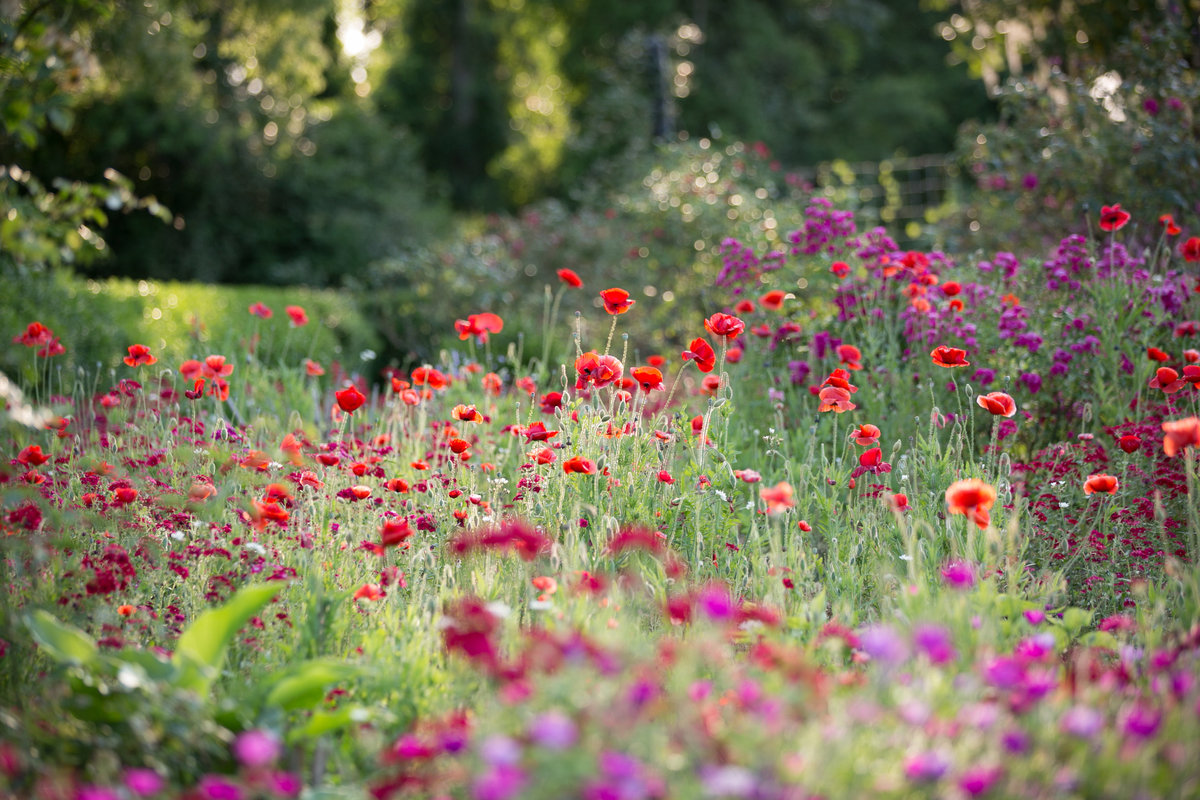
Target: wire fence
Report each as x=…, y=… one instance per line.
x=907, y=195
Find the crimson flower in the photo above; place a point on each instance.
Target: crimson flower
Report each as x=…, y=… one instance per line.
x=998, y=403
x=1112, y=218
x=350, y=399
x=261, y=311
x=598, y=370
x=1168, y=223
x=725, y=325
x=1101, y=483
x=297, y=315
x=139, y=354
x=702, y=353
x=394, y=531
x=1191, y=249
x=32, y=456
x=945, y=356
x=951, y=288
x=536, y=432
x=840, y=269
x=551, y=402
x=616, y=301
x=1167, y=379
x=570, y=278
x=648, y=378
x=215, y=367
x=1154, y=354
x=35, y=335
x=1129, y=443
x=850, y=356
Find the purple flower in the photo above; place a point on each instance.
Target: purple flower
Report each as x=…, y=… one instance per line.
x=1004, y=672
x=959, y=575
x=553, y=730
x=1141, y=721
x=1015, y=741
x=143, y=782
x=979, y=780
x=1035, y=616
x=728, y=781
x=715, y=601
x=501, y=782
x=218, y=787
x=1081, y=721
x=499, y=750
x=1032, y=381
x=285, y=784
x=935, y=642
x=925, y=767
x=883, y=644
x=256, y=748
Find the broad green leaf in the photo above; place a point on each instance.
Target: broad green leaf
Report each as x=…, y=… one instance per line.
x=1076, y=619
x=64, y=643
x=323, y=722
x=307, y=684
x=201, y=649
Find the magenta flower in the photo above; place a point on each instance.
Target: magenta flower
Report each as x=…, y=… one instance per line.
x=925, y=767
x=553, y=730
x=143, y=782
x=959, y=575
x=935, y=642
x=256, y=748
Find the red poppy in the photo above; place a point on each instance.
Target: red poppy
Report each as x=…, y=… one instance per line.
x=656, y=360
x=537, y=432
x=725, y=325
x=734, y=355
x=368, y=591
x=598, y=370
x=971, y=497
x=702, y=353
x=840, y=268
x=850, y=356
x=297, y=315
x=1101, y=483
x=312, y=368
x=945, y=356
x=551, y=402
x=1154, y=354
x=865, y=435
x=773, y=300
x=747, y=475
x=1168, y=223
x=262, y=311
x=579, y=464
x=899, y=501
x=665, y=477
x=1129, y=443
x=350, y=399
x=871, y=458
x=492, y=384
x=1181, y=433
x=570, y=278
x=394, y=532
x=648, y=378
x=139, y=354
x=1167, y=379
x=219, y=389
x=841, y=379
x=998, y=403
x=35, y=335
x=616, y=301
x=778, y=498
x=835, y=398
x=543, y=456
x=1187, y=328
x=1191, y=374
x=215, y=367
x=479, y=326
x=123, y=496
x=51, y=348
x=710, y=385
x=1112, y=218
x=1191, y=249
x=955, y=305
x=466, y=413
x=951, y=288
x=32, y=456
x=744, y=307
x=545, y=584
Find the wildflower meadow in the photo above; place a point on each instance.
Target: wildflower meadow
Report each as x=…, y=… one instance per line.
x=879, y=522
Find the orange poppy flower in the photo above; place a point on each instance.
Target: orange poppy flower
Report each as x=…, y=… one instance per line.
x=866, y=435
x=350, y=399
x=971, y=497
x=778, y=498
x=773, y=300
x=710, y=385
x=598, y=370
x=570, y=278
x=215, y=367
x=1101, y=483
x=368, y=591
x=1168, y=223
x=836, y=399
x=725, y=325
x=492, y=384
x=191, y=369
x=945, y=356
x=139, y=354
x=313, y=369
x=841, y=379
x=648, y=378
x=616, y=301
x=998, y=403
x=126, y=610
x=466, y=413
x=479, y=326
x=536, y=432
x=579, y=464
x=702, y=353
x=850, y=356
x=1181, y=433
